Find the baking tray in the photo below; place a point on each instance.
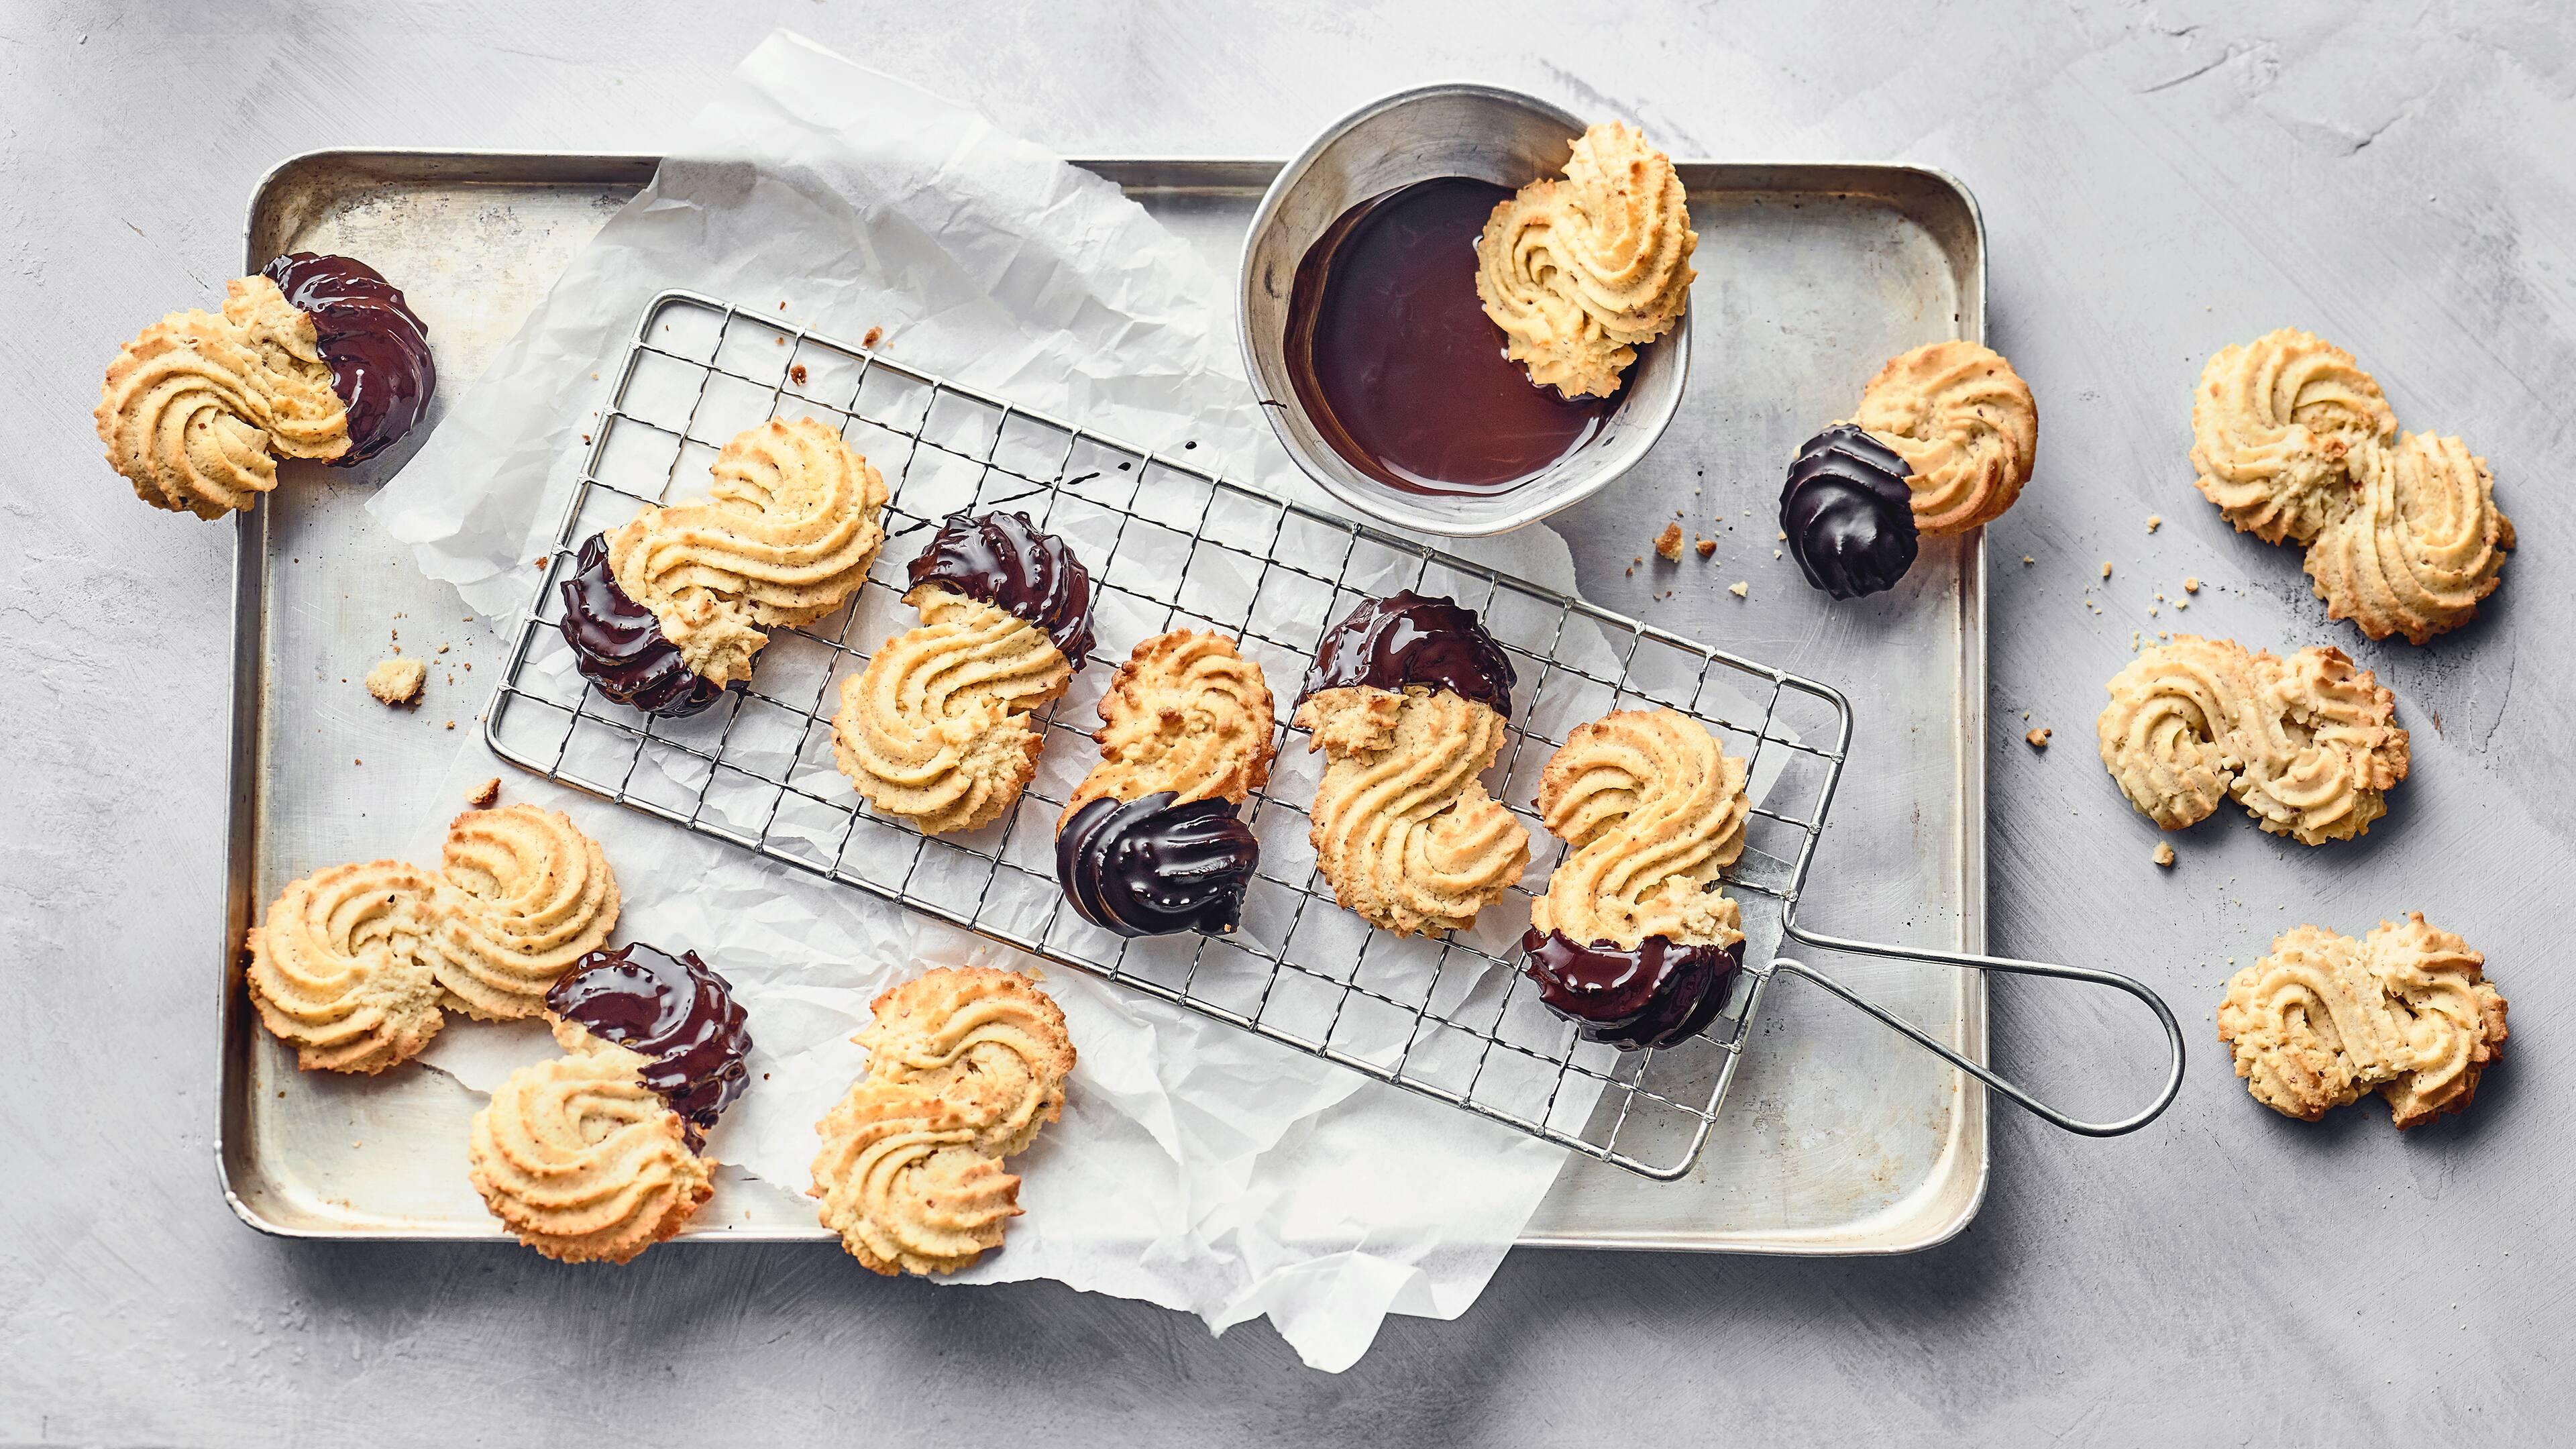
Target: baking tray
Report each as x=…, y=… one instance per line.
x=1839, y=1139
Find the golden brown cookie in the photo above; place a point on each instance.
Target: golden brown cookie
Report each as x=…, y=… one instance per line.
x=1965, y=424
x=352, y=964
x=1581, y=272
x=1654, y=810
x=1186, y=713
x=936, y=729
x=987, y=1042
x=2308, y=745
x=342, y=967
x=787, y=532
x=198, y=408
x=1403, y=827
x=2405, y=1011
x=528, y=895
x=582, y=1160
x=2421, y=544
x=2274, y=425
x=900, y=1179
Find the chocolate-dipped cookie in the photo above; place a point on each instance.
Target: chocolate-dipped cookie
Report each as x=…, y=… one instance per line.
x=377, y=346
x=675, y=1012
x=618, y=646
x=1846, y=513
x=1653, y=994
x=1002, y=559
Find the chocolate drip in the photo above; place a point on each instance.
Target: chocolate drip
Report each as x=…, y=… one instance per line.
x=672, y=1009
x=377, y=346
x=619, y=646
x=1657, y=995
x=1002, y=559
x=1149, y=867
x=1848, y=514
x=1407, y=639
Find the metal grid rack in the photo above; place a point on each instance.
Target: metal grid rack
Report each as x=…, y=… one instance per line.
x=1169, y=545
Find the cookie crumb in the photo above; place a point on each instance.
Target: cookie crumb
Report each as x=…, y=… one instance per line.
x=1782, y=535
x=2155, y=521
x=2164, y=853
x=875, y=335
x=451, y=724
x=796, y=374
x=1668, y=543
x=1737, y=589
x=2038, y=739
x=482, y=796
x=2190, y=585
x=2026, y=558
x=1707, y=546
x=2106, y=568
x=397, y=681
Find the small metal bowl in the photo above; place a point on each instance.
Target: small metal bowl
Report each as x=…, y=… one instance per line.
x=1451, y=129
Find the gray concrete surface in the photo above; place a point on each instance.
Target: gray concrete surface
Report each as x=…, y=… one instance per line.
x=2158, y=180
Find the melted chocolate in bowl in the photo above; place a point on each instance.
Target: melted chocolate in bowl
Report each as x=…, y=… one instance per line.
x=1396, y=362
x=673, y=1009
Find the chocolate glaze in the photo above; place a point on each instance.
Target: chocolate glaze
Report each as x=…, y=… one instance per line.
x=1407, y=639
x=377, y=346
x=1002, y=559
x=1654, y=996
x=619, y=646
x=1848, y=514
x=1149, y=867
x=1395, y=361
x=672, y=1009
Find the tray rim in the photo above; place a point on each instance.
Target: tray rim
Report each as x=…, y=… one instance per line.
x=1161, y=173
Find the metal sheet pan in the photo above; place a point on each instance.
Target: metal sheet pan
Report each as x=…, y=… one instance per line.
x=1839, y=1139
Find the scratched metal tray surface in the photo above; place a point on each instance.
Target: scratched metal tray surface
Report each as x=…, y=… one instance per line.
x=1837, y=1138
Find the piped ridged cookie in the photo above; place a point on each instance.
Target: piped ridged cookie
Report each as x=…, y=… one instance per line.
x=965, y=1064
x=984, y=1040
x=1151, y=841
x=787, y=532
x=1404, y=830
x=581, y=1159
x=2295, y=443
x=1580, y=272
x=1965, y=424
x=2308, y=745
x=528, y=895
x=1630, y=939
x=2406, y=1011
x=196, y=411
x=352, y=965
x=936, y=729
x=342, y=967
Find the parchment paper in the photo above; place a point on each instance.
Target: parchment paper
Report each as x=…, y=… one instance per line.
x=1197, y=1167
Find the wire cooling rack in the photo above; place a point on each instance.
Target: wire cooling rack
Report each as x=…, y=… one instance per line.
x=1169, y=546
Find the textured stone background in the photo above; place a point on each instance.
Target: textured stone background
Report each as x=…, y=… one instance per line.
x=2158, y=180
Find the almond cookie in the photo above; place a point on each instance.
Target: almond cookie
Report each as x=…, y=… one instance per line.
x=352, y=964
x=1966, y=426
x=582, y=1160
x=1151, y=841
x=1407, y=700
x=986, y=1041
x=196, y=411
x=2406, y=1011
x=1631, y=939
x=786, y=533
x=527, y=896
x=936, y=729
x=2295, y=443
x=2274, y=424
x=1581, y=272
x=2309, y=746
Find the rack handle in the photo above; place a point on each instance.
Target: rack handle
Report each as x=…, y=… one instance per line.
x=2017, y=967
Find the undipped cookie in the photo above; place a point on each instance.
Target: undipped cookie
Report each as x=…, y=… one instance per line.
x=581, y=1159
x=1964, y=423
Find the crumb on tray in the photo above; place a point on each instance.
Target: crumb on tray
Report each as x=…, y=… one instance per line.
x=1669, y=543
x=2190, y=585
x=2155, y=521
x=1739, y=589
x=1706, y=547
x=397, y=681
x=2164, y=853
x=2038, y=738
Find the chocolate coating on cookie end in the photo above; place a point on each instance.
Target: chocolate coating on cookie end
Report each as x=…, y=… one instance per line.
x=619, y=646
x=377, y=346
x=672, y=1009
x=1407, y=639
x=1149, y=867
x=1654, y=996
x=1002, y=559
x=1848, y=513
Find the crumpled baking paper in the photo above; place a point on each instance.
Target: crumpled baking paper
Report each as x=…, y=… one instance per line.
x=1197, y=1167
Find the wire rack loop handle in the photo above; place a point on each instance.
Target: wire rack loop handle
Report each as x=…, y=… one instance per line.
x=2017, y=967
